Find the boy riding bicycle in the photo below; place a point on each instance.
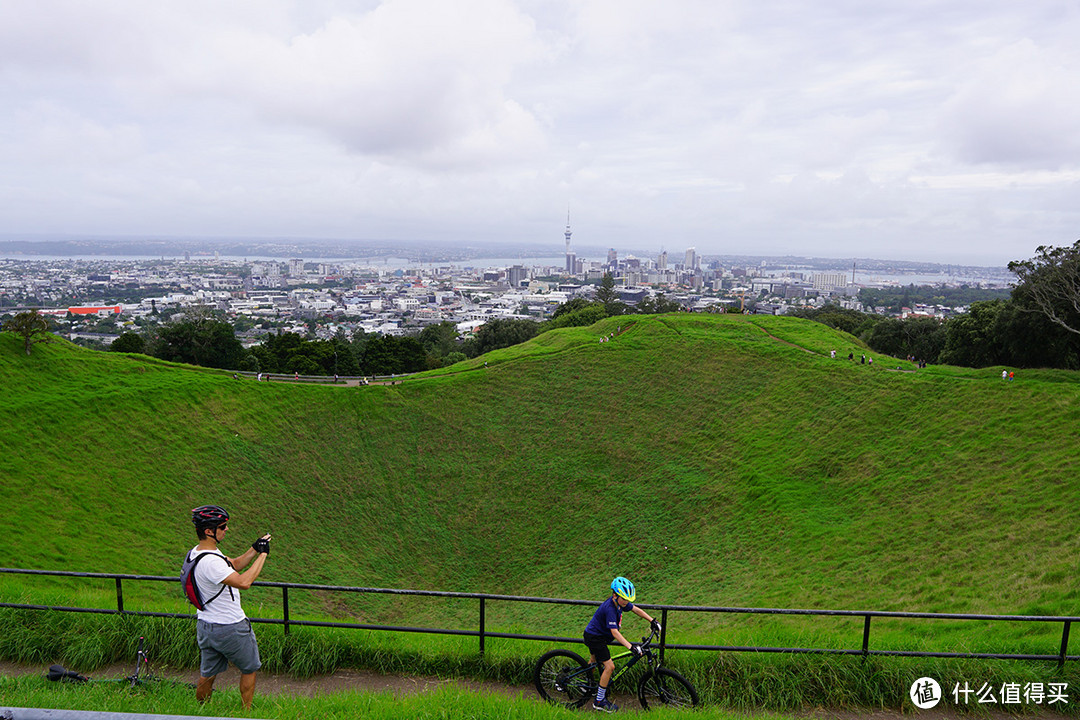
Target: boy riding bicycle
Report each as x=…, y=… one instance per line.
x=604, y=627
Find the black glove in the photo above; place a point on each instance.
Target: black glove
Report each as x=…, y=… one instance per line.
x=655, y=625
x=262, y=545
x=636, y=649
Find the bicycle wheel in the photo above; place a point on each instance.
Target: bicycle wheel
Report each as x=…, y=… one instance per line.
x=666, y=687
x=563, y=677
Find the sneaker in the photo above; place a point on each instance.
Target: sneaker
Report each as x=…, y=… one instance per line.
x=605, y=706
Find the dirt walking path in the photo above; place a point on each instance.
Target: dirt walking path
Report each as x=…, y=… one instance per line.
x=408, y=685
x=404, y=685
x=274, y=683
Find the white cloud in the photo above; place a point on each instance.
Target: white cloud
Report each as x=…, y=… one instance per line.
x=1020, y=107
x=844, y=125
x=413, y=79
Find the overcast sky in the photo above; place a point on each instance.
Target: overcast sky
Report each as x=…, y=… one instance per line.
x=946, y=130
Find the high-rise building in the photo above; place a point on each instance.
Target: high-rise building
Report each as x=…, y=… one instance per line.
x=516, y=275
x=829, y=282
x=612, y=260
x=691, y=259
x=661, y=262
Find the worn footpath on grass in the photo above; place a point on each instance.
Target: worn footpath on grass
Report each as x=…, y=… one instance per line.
x=345, y=680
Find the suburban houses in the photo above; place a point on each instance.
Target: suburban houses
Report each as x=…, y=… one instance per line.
x=342, y=297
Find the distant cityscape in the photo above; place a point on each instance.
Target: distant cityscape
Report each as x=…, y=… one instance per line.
x=399, y=289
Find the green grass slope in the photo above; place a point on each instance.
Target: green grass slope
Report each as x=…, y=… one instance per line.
x=715, y=460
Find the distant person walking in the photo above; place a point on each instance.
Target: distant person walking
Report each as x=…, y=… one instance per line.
x=1004, y=374
x=222, y=630
x=832, y=354
x=1011, y=375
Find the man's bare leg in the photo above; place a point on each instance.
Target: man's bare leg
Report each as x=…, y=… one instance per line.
x=204, y=688
x=247, y=689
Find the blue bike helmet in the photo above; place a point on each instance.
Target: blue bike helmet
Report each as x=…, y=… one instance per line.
x=623, y=588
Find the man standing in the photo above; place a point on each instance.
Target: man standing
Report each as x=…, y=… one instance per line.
x=223, y=631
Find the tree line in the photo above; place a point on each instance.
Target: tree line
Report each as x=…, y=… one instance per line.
x=894, y=299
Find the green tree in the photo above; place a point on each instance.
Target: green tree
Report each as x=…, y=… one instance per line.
x=386, y=355
x=607, y=296
x=502, y=333
x=606, y=292
x=344, y=360
x=839, y=318
x=276, y=350
x=128, y=342
x=570, y=306
x=440, y=339
x=454, y=357
x=893, y=297
x=199, y=339
x=1030, y=339
x=31, y=326
x=1051, y=282
x=582, y=317
x=922, y=338
x=972, y=339
x=658, y=305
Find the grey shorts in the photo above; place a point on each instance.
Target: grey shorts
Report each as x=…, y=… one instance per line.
x=222, y=644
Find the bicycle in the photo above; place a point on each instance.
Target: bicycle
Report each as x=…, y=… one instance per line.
x=143, y=675
x=563, y=677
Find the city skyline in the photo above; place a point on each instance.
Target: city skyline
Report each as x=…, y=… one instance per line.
x=405, y=254
x=946, y=132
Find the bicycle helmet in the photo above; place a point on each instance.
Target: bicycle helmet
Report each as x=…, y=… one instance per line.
x=623, y=588
x=209, y=516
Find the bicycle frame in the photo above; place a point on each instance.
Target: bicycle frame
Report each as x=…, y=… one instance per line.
x=646, y=653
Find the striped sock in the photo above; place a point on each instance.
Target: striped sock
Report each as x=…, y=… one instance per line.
x=600, y=695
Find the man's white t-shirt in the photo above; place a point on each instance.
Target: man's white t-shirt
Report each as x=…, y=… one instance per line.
x=225, y=608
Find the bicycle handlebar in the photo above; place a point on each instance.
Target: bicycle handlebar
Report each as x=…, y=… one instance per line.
x=646, y=642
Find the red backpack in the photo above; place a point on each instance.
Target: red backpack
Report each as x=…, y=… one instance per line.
x=191, y=588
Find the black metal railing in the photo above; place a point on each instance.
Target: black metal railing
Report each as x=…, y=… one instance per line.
x=287, y=621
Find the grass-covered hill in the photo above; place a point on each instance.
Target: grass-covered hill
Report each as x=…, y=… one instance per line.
x=715, y=460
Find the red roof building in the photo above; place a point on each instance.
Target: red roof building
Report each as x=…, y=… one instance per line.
x=95, y=310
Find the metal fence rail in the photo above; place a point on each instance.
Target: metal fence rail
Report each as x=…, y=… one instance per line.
x=287, y=621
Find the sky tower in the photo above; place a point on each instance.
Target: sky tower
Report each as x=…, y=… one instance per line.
x=570, y=258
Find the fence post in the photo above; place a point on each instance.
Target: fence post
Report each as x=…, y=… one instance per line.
x=285, y=606
x=866, y=638
x=119, y=596
x=482, y=614
x=1064, y=644
x=663, y=632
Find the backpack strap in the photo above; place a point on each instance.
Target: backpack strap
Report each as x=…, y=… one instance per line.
x=191, y=572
